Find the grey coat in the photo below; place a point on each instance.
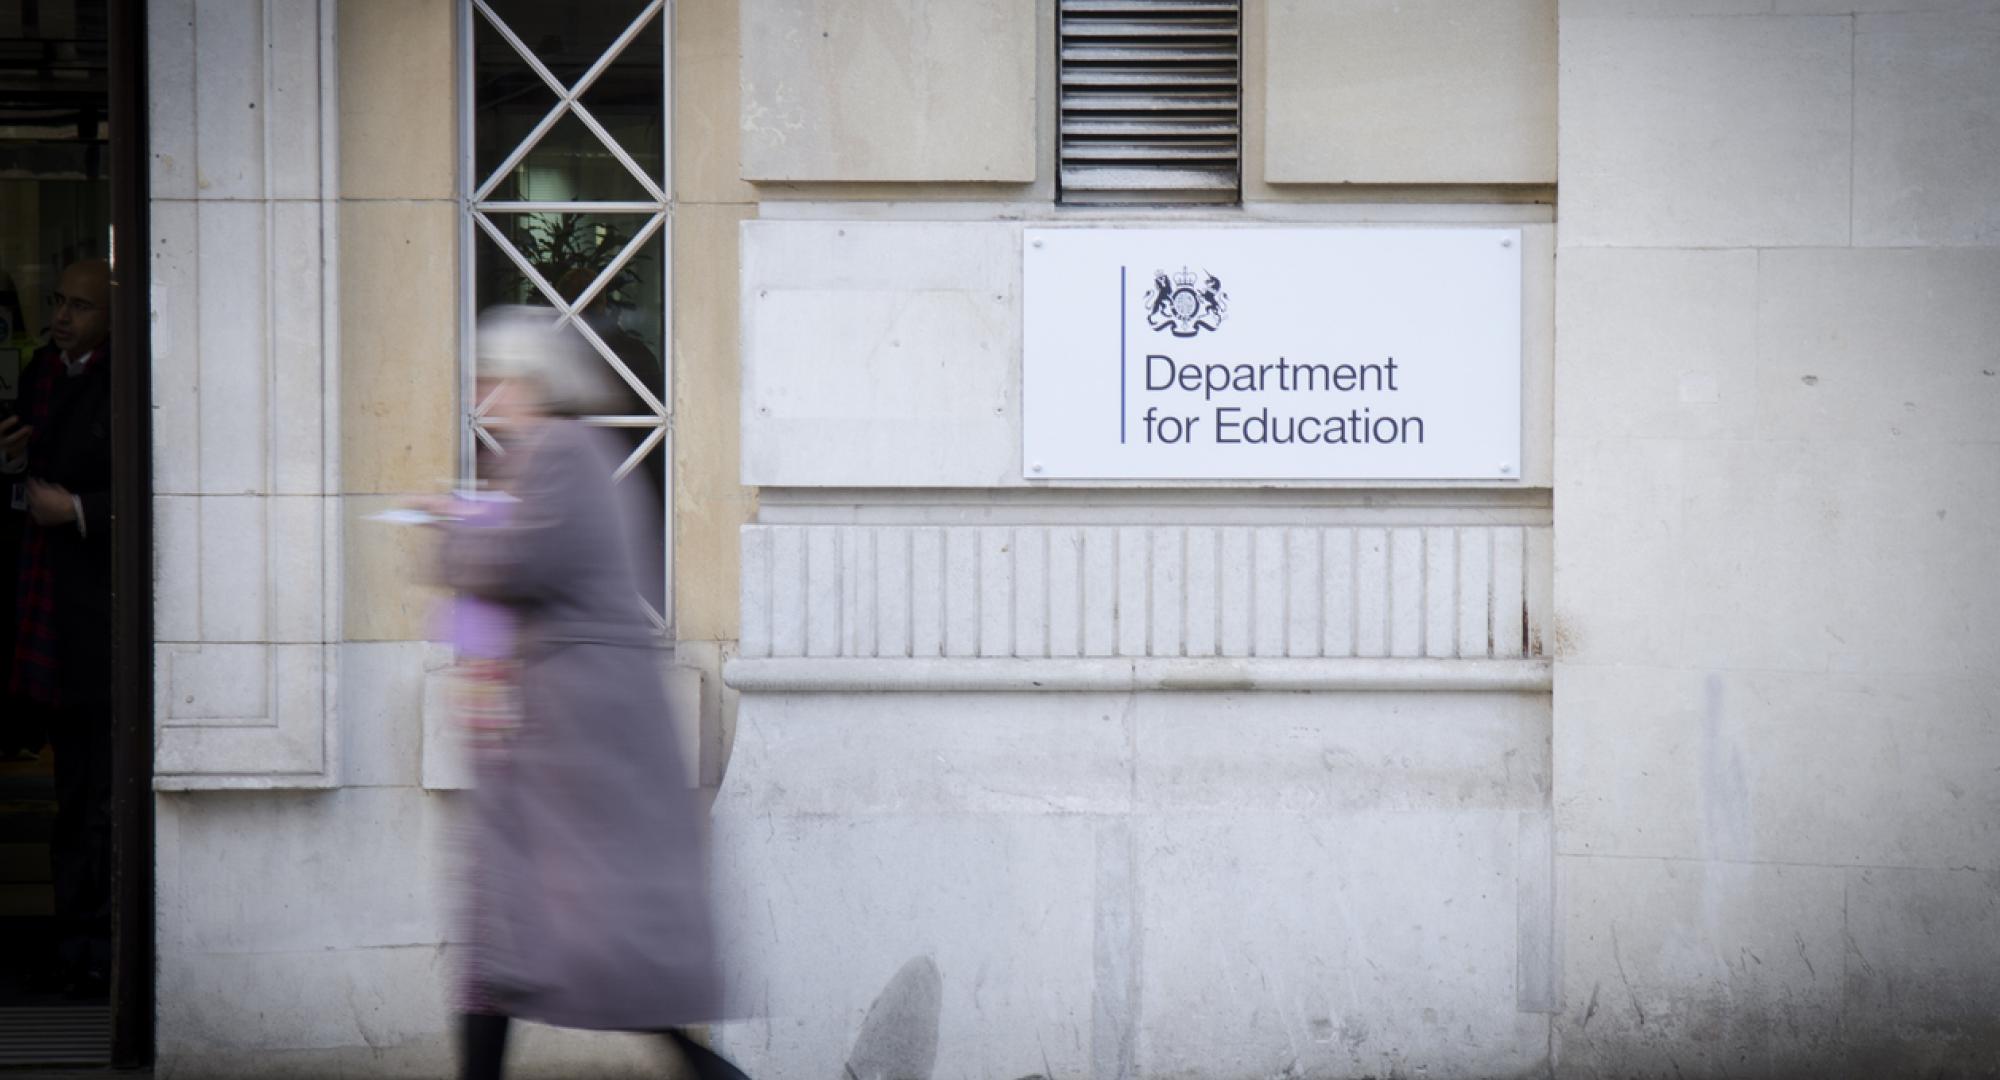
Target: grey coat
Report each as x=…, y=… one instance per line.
x=586, y=862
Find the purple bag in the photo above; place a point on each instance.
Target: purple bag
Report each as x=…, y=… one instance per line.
x=480, y=629
x=485, y=692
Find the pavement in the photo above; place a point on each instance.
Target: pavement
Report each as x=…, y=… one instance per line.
x=40, y=1073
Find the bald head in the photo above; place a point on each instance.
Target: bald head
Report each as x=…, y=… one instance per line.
x=83, y=307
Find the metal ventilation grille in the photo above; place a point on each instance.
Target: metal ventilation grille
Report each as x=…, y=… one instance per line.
x=1150, y=92
x=55, y=1035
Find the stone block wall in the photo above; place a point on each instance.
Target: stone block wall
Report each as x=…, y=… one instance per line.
x=1145, y=779
x=1142, y=884
x=303, y=926
x=1748, y=833
x=1776, y=491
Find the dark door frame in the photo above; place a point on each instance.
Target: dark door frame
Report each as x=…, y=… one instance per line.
x=131, y=545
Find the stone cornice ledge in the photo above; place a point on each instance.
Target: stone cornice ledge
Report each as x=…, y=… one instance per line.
x=246, y=782
x=1095, y=674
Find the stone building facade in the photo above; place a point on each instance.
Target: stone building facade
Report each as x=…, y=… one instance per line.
x=1673, y=756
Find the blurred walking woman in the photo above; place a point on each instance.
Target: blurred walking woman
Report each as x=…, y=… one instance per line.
x=586, y=904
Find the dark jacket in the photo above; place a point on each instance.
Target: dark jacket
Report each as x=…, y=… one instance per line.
x=73, y=448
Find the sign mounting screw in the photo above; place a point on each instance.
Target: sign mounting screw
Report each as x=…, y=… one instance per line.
x=1507, y=242
x=1036, y=467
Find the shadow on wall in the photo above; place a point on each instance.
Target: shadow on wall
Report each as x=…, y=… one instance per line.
x=899, y=1037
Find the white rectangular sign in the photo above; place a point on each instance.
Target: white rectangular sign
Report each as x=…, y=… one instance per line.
x=1281, y=353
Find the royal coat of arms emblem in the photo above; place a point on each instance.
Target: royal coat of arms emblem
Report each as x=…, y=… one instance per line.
x=1185, y=305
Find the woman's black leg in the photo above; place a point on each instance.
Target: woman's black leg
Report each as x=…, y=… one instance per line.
x=482, y=1046
x=706, y=1063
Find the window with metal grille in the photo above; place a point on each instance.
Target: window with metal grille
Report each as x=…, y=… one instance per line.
x=567, y=204
x=1150, y=100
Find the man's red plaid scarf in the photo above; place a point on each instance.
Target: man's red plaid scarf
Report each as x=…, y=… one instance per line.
x=35, y=594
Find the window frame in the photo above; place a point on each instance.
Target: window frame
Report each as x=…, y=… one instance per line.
x=470, y=190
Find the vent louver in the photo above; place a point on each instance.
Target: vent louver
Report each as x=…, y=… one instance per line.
x=1150, y=93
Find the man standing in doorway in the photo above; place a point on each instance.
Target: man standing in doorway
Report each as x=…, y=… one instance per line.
x=56, y=457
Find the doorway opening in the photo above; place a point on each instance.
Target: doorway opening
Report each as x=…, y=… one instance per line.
x=75, y=772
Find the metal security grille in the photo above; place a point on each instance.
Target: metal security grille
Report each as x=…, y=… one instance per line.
x=1150, y=100
x=567, y=204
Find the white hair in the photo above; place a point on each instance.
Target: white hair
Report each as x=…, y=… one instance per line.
x=522, y=343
